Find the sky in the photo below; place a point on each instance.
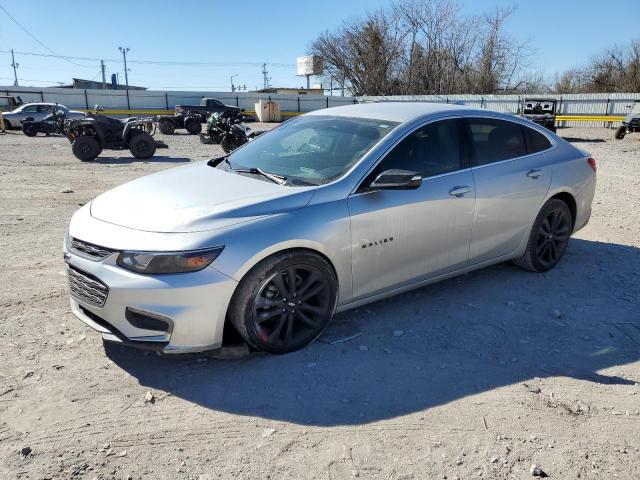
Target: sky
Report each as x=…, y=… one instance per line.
x=235, y=38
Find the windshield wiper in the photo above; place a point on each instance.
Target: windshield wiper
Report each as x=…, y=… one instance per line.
x=280, y=180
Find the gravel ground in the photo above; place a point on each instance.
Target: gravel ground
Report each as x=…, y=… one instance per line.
x=480, y=376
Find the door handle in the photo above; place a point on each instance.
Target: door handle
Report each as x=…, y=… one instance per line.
x=535, y=173
x=459, y=191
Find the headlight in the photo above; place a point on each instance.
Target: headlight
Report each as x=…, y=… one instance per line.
x=153, y=263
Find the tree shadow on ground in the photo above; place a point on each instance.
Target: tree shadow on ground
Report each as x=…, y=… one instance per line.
x=488, y=329
x=584, y=140
x=128, y=160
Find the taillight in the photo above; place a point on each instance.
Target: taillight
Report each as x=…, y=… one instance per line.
x=592, y=163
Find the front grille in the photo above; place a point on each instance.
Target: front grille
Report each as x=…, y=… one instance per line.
x=86, y=288
x=89, y=250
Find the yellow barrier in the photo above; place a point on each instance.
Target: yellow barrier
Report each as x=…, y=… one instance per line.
x=1, y=123
x=169, y=112
x=589, y=118
x=559, y=118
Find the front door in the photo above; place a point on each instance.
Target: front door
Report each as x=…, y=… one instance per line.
x=402, y=236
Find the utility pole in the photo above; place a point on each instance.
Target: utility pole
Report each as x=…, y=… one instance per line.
x=265, y=76
x=104, y=79
x=124, y=56
x=14, y=65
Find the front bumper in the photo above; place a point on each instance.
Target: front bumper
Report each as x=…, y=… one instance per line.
x=191, y=306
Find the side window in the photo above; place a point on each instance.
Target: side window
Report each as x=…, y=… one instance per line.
x=536, y=142
x=431, y=150
x=495, y=140
x=30, y=109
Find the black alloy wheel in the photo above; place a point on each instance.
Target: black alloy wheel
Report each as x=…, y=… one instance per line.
x=285, y=302
x=291, y=306
x=553, y=235
x=549, y=237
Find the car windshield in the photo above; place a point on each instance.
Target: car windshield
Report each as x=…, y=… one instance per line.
x=312, y=149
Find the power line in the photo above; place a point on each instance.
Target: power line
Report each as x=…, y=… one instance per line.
x=34, y=37
x=155, y=62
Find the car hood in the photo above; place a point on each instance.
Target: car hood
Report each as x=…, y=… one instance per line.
x=195, y=198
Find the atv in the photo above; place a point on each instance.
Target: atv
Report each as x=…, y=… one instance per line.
x=192, y=122
x=219, y=123
x=631, y=122
x=52, y=123
x=90, y=135
x=541, y=111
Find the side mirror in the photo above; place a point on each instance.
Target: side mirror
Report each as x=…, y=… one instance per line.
x=396, y=180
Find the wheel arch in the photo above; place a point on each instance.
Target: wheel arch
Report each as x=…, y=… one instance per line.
x=570, y=200
x=309, y=247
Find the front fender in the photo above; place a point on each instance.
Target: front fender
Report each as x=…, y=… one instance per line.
x=324, y=229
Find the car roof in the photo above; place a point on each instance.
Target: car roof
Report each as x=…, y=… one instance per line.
x=390, y=111
x=42, y=103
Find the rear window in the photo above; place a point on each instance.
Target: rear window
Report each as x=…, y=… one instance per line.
x=495, y=140
x=536, y=142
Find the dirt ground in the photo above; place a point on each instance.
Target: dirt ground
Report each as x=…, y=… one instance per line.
x=481, y=376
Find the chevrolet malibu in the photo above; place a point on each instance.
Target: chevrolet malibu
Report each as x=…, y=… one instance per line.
x=332, y=210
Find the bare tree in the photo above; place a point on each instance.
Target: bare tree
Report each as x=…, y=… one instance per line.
x=617, y=69
x=365, y=52
x=424, y=47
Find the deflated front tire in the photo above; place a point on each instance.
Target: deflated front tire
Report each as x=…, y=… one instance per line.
x=285, y=302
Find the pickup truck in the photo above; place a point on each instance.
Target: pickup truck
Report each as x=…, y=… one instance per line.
x=191, y=117
x=207, y=107
x=9, y=103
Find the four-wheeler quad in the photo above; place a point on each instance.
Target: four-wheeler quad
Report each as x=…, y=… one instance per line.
x=192, y=122
x=219, y=123
x=90, y=135
x=541, y=111
x=52, y=123
x=631, y=122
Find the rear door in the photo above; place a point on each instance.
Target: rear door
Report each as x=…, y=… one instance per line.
x=511, y=180
x=402, y=236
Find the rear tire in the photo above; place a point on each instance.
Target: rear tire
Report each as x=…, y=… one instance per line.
x=621, y=131
x=285, y=302
x=549, y=237
x=193, y=126
x=142, y=146
x=166, y=127
x=86, y=148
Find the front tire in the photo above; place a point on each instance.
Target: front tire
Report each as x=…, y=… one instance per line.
x=29, y=130
x=285, y=302
x=142, y=146
x=549, y=237
x=86, y=148
x=621, y=131
x=193, y=126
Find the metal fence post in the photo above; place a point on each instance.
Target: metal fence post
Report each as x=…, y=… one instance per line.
x=41, y=96
x=298, y=103
x=166, y=100
x=327, y=102
x=86, y=99
x=606, y=112
x=237, y=101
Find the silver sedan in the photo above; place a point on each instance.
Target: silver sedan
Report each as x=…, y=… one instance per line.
x=37, y=111
x=329, y=211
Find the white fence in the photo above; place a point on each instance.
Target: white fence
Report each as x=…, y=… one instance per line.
x=614, y=104
x=165, y=100
x=587, y=104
